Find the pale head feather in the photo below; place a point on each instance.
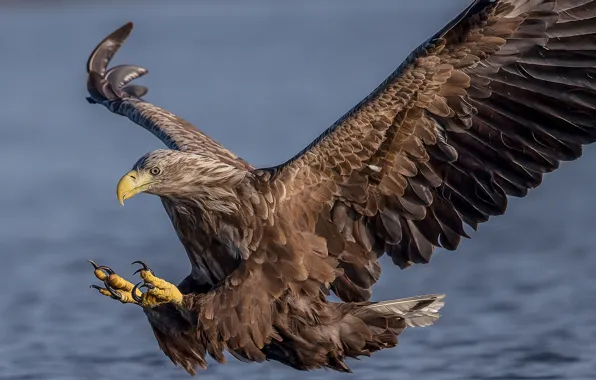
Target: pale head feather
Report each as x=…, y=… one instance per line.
x=196, y=178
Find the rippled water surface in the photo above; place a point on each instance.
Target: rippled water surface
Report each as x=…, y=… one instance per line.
x=264, y=78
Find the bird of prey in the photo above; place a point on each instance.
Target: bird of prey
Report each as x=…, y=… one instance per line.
x=477, y=113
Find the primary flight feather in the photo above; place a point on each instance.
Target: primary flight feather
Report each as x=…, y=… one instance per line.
x=477, y=113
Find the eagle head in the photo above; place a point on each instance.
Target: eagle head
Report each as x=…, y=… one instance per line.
x=176, y=174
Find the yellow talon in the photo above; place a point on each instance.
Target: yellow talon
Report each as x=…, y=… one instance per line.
x=159, y=291
x=101, y=275
x=119, y=283
x=116, y=287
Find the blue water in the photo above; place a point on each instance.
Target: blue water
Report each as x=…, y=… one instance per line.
x=264, y=78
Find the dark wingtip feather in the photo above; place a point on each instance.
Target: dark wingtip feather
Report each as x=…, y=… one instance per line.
x=98, y=88
x=113, y=84
x=136, y=90
x=121, y=75
x=102, y=54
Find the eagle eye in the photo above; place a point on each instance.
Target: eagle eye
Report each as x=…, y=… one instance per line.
x=154, y=170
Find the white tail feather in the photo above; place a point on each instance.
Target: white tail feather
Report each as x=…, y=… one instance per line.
x=417, y=311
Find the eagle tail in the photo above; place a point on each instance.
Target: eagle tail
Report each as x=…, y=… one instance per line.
x=362, y=329
x=371, y=327
x=417, y=311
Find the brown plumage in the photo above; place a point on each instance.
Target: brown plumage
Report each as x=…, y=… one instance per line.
x=477, y=113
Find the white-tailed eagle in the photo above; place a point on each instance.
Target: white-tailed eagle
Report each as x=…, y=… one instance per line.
x=477, y=113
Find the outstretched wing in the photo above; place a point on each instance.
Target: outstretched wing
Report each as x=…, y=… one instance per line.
x=478, y=112
x=112, y=89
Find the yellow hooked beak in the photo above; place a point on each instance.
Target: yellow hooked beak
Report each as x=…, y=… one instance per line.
x=131, y=184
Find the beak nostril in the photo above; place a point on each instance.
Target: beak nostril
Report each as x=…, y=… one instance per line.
x=133, y=177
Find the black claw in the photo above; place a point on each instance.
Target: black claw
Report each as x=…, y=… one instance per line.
x=95, y=287
x=140, y=262
x=116, y=294
x=134, y=292
x=107, y=269
x=145, y=267
x=137, y=287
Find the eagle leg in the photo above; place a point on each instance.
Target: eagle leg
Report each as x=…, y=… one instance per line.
x=115, y=286
x=159, y=291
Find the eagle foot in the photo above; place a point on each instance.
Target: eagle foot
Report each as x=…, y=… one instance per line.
x=115, y=286
x=158, y=292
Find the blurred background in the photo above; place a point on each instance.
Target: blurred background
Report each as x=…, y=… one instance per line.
x=264, y=78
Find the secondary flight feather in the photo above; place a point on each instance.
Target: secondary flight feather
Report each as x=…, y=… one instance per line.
x=479, y=112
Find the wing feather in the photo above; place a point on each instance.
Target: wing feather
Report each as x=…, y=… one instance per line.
x=111, y=88
x=479, y=112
